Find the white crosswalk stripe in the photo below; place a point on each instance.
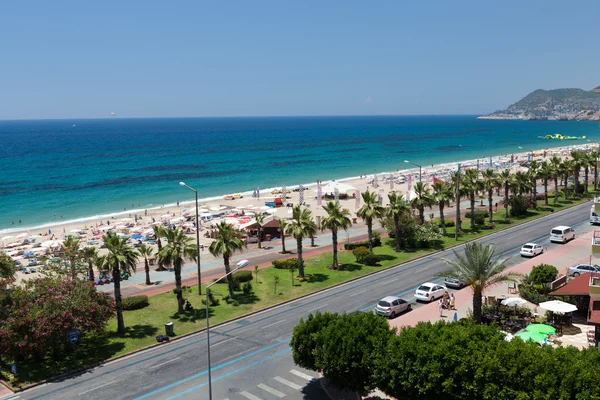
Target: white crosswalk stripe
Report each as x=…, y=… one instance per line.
x=287, y=383
x=301, y=375
x=269, y=389
x=250, y=396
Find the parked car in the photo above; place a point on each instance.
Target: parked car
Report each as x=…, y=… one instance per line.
x=430, y=291
x=391, y=306
x=531, y=250
x=454, y=283
x=24, y=270
x=579, y=269
x=562, y=234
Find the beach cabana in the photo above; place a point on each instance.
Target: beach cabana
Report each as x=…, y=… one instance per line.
x=333, y=185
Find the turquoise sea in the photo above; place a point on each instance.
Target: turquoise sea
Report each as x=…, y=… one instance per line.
x=73, y=169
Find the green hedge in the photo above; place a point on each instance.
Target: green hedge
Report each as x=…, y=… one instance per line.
x=352, y=246
x=135, y=302
x=360, y=253
x=372, y=260
x=478, y=213
x=243, y=276
x=285, y=263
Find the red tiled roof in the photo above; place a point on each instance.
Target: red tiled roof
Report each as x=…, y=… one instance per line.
x=579, y=286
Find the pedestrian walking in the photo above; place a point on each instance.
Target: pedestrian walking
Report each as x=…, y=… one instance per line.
x=441, y=307
x=452, y=301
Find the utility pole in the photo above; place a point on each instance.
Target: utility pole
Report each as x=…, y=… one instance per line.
x=457, y=224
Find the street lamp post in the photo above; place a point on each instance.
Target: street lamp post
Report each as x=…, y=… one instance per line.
x=197, y=237
x=241, y=264
x=410, y=162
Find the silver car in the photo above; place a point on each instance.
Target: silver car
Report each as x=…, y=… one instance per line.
x=579, y=269
x=454, y=283
x=391, y=306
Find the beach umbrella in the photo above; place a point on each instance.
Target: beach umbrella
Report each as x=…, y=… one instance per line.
x=137, y=236
x=513, y=301
x=531, y=336
x=558, y=306
x=541, y=328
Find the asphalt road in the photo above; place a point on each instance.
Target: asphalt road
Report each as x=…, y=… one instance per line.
x=251, y=358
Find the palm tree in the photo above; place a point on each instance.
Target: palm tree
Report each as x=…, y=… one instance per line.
x=505, y=180
x=555, y=164
x=480, y=270
x=521, y=183
x=90, y=255
x=533, y=175
x=120, y=258
x=260, y=220
x=146, y=252
x=578, y=159
x=300, y=227
x=566, y=166
x=443, y=194
x=174, y=253
x=455, y=176
x=593, y=157
x=71, y=250
x=336, y=219
x=546, y=173
x=472, y=185
x=159, y=231
x=227, y=242
x=491, y=181
x=398, y=207
x=283, y=227
x=423, y=199
x=370, y=209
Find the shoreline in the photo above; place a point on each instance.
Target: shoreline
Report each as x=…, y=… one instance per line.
x=266, y=193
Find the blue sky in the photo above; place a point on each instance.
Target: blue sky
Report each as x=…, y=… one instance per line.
x=79, y=59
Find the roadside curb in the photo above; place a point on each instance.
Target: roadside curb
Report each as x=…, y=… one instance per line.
x=95, y=365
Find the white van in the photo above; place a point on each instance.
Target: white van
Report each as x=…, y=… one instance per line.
x=562, y=234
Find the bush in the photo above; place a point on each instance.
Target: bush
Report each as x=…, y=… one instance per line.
x=449, y=223
x=135, y=302
x=542, y=274
x=519, y=205
x=243, y=276
x=352, y=246
x=360, y=253
x=531, y=295
x=212, y=299
x=247, y=288
x=372, y=260
x=285, y=263
x=237, y=286
x=483, y=213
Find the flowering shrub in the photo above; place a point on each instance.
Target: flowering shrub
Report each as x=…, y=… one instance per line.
x=37, y=318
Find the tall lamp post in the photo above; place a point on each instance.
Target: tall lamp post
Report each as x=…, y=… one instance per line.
x=197, y=237
x=239, y=265
x=410, y=162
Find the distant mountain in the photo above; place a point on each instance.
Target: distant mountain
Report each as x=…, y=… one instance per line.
x=557, y=104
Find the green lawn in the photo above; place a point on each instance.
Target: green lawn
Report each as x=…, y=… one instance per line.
x=143, y=325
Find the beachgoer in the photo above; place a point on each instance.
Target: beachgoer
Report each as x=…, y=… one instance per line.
x=452, y=302
x=446, y=299
x=441, y=307
x=145, y=213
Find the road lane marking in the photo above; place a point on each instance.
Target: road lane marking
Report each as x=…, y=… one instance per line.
x=224, y=341
x=316, y=308
x=301, y=375
x=97, y=387
x=166, y=362
x=271, y=390
x=287, y=383
x=274, y=323
x=362, y=291
x=249, y=396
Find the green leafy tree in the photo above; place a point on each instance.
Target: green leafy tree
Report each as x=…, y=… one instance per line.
x=90, y=256
x=423, y=198
x=578, y=159
x=260, y=221
x=566, y=166
x=275, y=283
x=370, y=210
x=506, y=181
x=120, y=258
x=146, y=253
x=491, y=181
x=336, y=219
x=8, y=267
x=543, y=274
x=72, y=254
x=306, y=338
x=556, y=167
x=546, y=173
x=480, y=270
x=301, y=226
x=178, y=248
x=227, y=242
x=398, y=208
x=456, y=177
x=443, y=194
x=472, y=185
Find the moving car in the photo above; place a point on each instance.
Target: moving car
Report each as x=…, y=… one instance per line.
x=579, y=269
x=531, y=250
x=562, y=234
x=430, y=291
x=391, y=306
x=454, y=283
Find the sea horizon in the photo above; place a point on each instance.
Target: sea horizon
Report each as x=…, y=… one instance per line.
x=81, y=169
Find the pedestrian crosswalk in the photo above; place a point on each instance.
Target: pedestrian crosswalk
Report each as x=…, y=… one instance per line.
x=277, y=387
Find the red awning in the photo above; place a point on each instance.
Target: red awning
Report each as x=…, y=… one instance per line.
x=579, y=286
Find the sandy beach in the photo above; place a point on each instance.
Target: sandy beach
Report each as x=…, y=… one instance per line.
x=140, y=221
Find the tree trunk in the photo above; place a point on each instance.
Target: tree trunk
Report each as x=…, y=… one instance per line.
x=490, y=201
x=116, y=273
x=299, y=256
x=91, y=271
x=595, y=178
x=472, y=195
x=421, y=214
x=506, y=200
x=147, y=269
x=555, y=190
x=545, y=191
x=576, y=179
x=477, y=305
x=587, y=171
x=534, y=191
x=229, y=277
x=370, y=233
x=312, y=241
x=442, y=221
x=566, y=186
x=335, y=250
x=397, y=231
x=283, y=243
x=177, y=268
x=259, y=238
